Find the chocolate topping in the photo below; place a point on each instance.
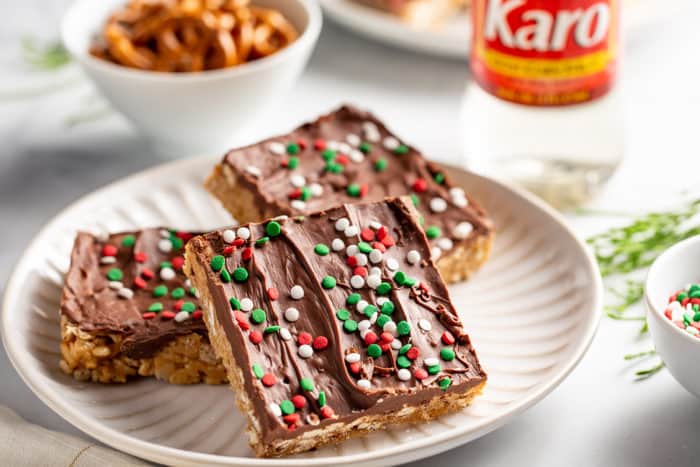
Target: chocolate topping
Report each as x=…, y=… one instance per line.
x=407, y=305
x=97, y=304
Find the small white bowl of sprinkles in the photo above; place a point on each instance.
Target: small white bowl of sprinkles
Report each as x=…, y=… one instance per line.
x=672, y=299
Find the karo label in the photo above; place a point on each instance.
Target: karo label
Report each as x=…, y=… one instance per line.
x=545, y=52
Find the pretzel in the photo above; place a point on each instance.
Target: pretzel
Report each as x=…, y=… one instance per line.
x=191, y=35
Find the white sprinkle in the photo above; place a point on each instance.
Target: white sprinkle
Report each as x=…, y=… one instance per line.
x=352, y=231
x=188, y=284
x=342, y=224
x=373, y=318
x=291, y=314
x=371, y=132
x=228, y=235
x=101, y=235
x=361, y=305
x=165, y=245
x=391, y=143
x=373, y=281
x=298, y=204
x=316, y=189
x=438, y=205
x=431, y=361
x=182, y=316
x=243, y=232
x=352, y=250
x=375, y=225
x=375, y=271
x=435, y=253
x=413, y=257
x=275, y=409
x=246, y=304
x=462, y=230
x=281, y=217
x=332, y=145
x=364, y=332
x=305, y=351
x=167, y=274
x=364, y=384
x=364, y=325
x=344, y=148
x=285, y=335
x=337, y=244
x=297, y=292
x=356, y=156
x=254, y=171
x=357, y=282
x=382, y=300
x=115, y=285
x=392, y=264
x=456, y=192
x=164, y=233
x=691, y=330
x=275, y=147
x=460, y=202
x=353, y=139
x=376, y=256
x=389, y=326
x=361, y=259
x=353, y=357
x=445, y=243
x=125, y=293
x=108, y=260
x=297, y=181
x=396, y=344
x=425, y=325
x=403, y=374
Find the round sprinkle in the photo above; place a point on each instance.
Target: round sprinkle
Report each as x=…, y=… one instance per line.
x=435, y=253
x=342, y=314
x=403, y=328
x=425, y=325
x=342, y=224
x=307, y=384
x=225, y=276
x=297, y=181
x=462, y=230
x=160, y=291
x=297, y=292
x=182, y=316
x=258, y=316
x=353, y=139
x=165, y=246
x=457, y=192
x=351, y=231
x=447, y=354
x=361, y=305
x=364, y=325
x=353, y=357
x=400, y=277
x=167, y=274
x=337, y=244
x=384, y=288
x=125, y=293
x=392, y=264
x=305, y=351
x=275, y=409
x=369, y=310
x=287, y=407
x=357, y=282
x=321, y=249
x=353, y=190
x=431, y=361
x=438, y=205
x=350, y=325
x=380, y=165
x=273, y=228
x=361, y=259
x=328, y=282
x=403, y=374
x=316, y=189
x=391, y=143
x=352, y=250
x=246, y=304
x=115, y=274
x=258, y=371
x=364, y=384
x=155, y=307
x=373, y=350
x=412, y=257
x=445, y=243
x=285, y=335
x=243, y=232
x=445, y=383
x=374, y=281
x=376, y=256
x=433, y=231
x=228, y=235
x=293, y=148
x=387, y=308
x=275, y=147
x=240, y=275
x=108, y=260
x=357, y=156
x=353, y=299
x=375, y=271
x=291, y=314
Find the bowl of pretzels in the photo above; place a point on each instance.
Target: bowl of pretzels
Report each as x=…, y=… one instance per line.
x=192, y=75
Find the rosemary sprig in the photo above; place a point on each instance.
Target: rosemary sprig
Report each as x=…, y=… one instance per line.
x=649, y=372
x=631, y=293
x=646, y=353
x=49, y=56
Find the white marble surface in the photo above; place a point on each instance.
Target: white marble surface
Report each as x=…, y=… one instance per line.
x=599, y=415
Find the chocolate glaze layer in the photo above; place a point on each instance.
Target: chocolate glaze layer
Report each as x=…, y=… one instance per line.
x=274, y=184
x=290, y=259
x=90, y=303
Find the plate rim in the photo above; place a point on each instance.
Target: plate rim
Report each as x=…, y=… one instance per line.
x=431, y=445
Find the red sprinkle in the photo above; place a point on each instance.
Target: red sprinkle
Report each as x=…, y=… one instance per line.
x=147, y=273
x=302, y=143
x=386, y=347
x=370, y=338
x=382, y=232
x=304, y=338
x=255, y=337
x=364, y=189
x=167, y=314
x=299, y=401
x=178, y=262
x=327, y=412
x=184, y=236
x=140, y=257
x=367, y=235
x=292, y=419
x=379, y=246
x=668, y=314
x=139, y=283
x=228, y=250
x=272, y=293
x=360, y=271
x=241, y=320
x=420, y=373
x=197, y=314
x=284, y=162
x=447, y=338
x=247, y=254
x=354, y=367
x=420, y=185
x=412, y=353
x=685, y=301
x=178, y=304
x=268, y=379
x=294, y=194
x=320, y=343
x=352, y=261
x=238, y=242
x=109, y=250
x=386, y=337
x=388, y=241
x=319, y=144
x=148, y=315
x=342, y=159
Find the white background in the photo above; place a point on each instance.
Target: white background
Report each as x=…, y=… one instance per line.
x=599, y=415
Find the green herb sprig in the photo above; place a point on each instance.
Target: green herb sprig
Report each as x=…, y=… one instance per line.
x=44, y=56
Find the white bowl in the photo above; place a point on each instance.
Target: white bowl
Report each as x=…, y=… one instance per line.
x=186, y=113
x=672, y=270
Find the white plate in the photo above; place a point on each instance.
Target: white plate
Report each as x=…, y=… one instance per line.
x=453, y=38
x=531, y=311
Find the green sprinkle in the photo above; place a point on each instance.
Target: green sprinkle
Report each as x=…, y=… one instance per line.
x=293, y=148
x=415, y=199
x=353, y=299
x=433, y=231
x=217, y=263
x=272, y=329
x=380, y=165
x=177, y=243
x=287, y=407
x=387, y=308
x=192, y=291
x=364, y=247
x=382, y=320
x=435, y=369
x=696, y=317
x=307, y=384
x=353, y=190
x=258, y=316
x=365, y=147
x=160, y=291
x=321, y=398
x=235, y=303
x=694, y=294
x=403, y=328
x=350, y=325
x=384, y=288
x=332, y=167
x=439, y=178
x=400, y=277
x=166, y=264
x=156, y=307
x=177, y=292
x=293, y=163
x=115, y=274
x=305, y=193
x=273, y=228
x=188, y=307
x=225, y=276
x=410, y=282
x=328, y=155
x=240, y=275
x=258, y=371
x=328, y=282
x=321, y=249
x=681, y=296
x=445, y=383
x=447, y=354
x=401, y=150
x=403, y=361
x=261, y=241
x=373, y=350
x=342, y=314
x=405, y=348
x=128, y=241
x=369, y=310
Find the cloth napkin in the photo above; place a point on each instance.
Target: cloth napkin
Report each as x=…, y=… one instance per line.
x=25, y=444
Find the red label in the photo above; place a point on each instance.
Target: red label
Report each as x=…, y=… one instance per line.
x=545, y=52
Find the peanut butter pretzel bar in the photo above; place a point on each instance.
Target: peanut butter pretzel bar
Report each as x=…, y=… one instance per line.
x=333, y=324
x=127, y=309
x=345, y=157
